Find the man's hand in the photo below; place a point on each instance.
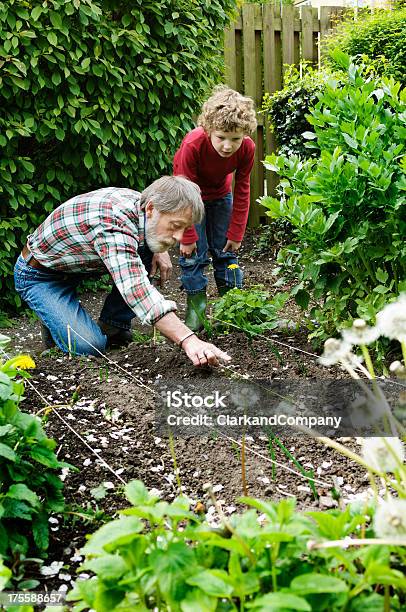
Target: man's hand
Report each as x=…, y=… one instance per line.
x=232, y=246
x=161, y=262
x=203, y=353
x=186, y=250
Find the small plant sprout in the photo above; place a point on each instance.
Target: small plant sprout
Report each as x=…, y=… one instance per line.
x=383, y=454
x=390, y=518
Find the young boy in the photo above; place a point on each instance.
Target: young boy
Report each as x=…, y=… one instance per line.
x=209, y=155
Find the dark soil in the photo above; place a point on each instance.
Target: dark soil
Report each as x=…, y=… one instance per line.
x=115, y=413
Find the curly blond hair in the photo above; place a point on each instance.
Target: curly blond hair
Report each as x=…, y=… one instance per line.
x=227, y=110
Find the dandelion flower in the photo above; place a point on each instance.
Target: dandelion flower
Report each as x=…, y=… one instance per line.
x=390, y=518
x=22, y=362
x=383, y=454
x=233, y=267
x=392, y=319
x=360, y=333
x=335, y=351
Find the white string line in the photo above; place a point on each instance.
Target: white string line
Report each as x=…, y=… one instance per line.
x=291, y=347
x=70, y=427
x=257, y=335
x=249, y=449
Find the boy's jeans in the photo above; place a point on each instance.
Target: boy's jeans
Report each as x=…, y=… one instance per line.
x=212, y=237
x=52, y=296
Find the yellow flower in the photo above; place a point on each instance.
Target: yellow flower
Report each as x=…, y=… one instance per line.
x=22, y=362
x=233, y=267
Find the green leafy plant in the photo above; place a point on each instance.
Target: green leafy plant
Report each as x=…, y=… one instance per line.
x=287, y=109
x=250, y=310
x=30, y=487
x=378, y=38
x=95, y=93
x=164, y=556
x=346, y=206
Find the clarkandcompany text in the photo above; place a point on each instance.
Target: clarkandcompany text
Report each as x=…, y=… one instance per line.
x=245, y=420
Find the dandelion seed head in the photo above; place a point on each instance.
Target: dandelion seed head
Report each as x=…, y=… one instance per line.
x=383, y=454
x=335, y=351
x=364, y=411
x=392, y=319
x=360, y=333
x=390, y=518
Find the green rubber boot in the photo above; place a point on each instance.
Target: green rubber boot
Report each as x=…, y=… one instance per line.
x=196, y=311
x=223, y=289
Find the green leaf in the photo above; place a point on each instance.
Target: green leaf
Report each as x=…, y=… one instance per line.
x=215, y=583
x=7, y=452
x=5, y=575
x=88, y=160
x=381, y=275
x=197, y=601
x=21, y=491
x=317, y=583
x=52, y=38
x=36, y=12
x=6, y=429
x=56, y=19
x=112, y=535
x=6, y=387
x=279, y=601
x=172, y=565
x=109, y=568
x=40, y=531
x=137, y=494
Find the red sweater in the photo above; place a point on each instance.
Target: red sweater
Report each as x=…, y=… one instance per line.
x=199, y=161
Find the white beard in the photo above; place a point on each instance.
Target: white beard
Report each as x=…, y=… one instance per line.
x=154, y=243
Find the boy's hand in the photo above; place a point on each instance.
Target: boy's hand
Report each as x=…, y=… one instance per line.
x=186, y=250
x=203, y=353
x=231, y=245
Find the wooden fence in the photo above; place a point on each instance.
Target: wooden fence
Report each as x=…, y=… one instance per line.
x=257, y=46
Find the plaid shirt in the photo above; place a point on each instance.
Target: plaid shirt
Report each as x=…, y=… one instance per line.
x=98, y=230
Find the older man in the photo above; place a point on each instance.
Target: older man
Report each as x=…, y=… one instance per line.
x=127, y=234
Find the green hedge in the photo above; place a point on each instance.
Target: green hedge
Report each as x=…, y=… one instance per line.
x=287, y=109
x=380, y=38
x=95, y=93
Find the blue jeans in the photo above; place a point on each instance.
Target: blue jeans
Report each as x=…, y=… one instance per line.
x=52, y=296
x=211, y=237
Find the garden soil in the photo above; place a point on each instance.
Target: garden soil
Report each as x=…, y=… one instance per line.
x=110, y=404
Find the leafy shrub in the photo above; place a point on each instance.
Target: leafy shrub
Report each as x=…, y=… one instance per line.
x=251, y=310
x=30, y=488
x=379, y=38
x=287, y=108
x=347, y=206
x=163, y=556
x=94, y=93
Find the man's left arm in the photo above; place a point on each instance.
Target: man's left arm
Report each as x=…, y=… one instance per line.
x=119, y=253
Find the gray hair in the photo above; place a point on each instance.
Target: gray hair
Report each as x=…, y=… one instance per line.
x=174, y=193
